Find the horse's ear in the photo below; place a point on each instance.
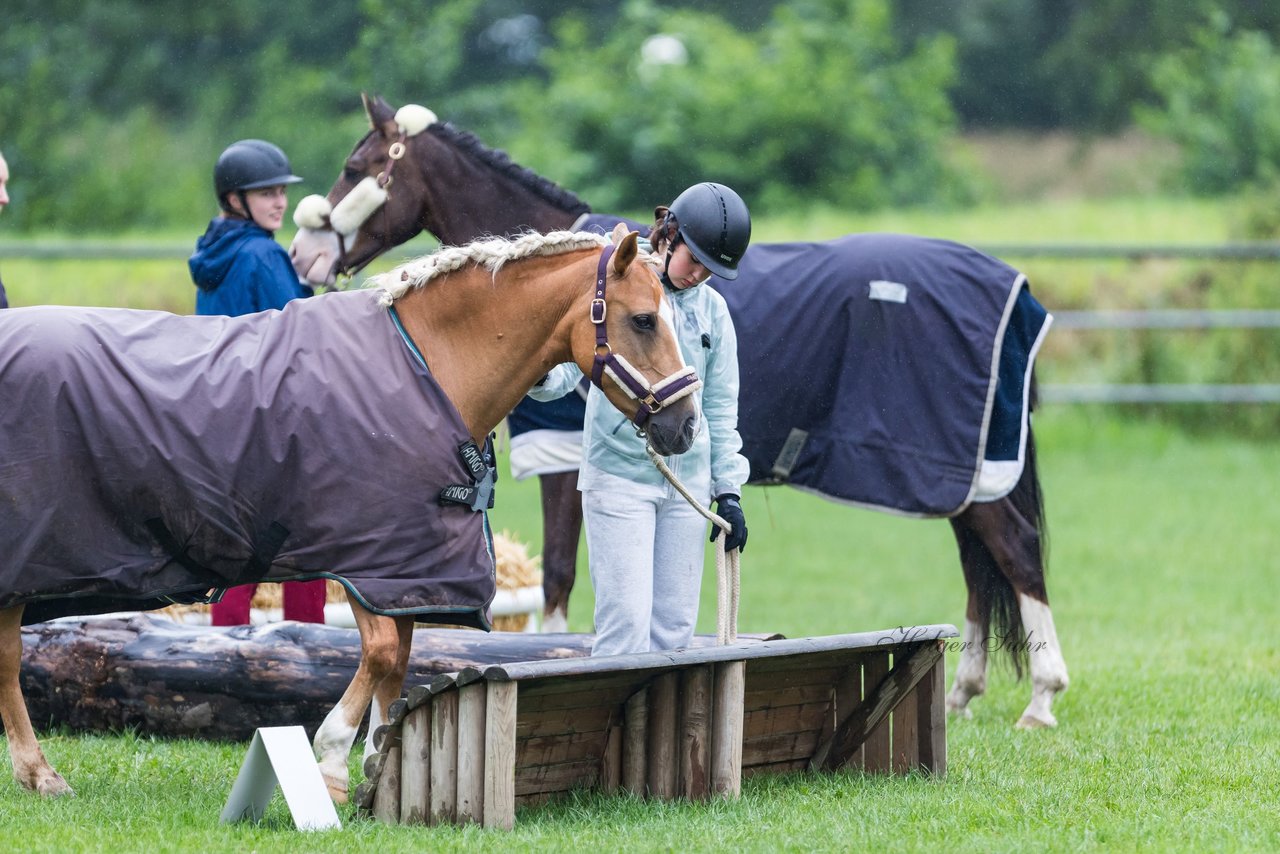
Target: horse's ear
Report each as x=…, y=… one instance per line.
x=619, y=231
x=381, y=117
x=626, y=252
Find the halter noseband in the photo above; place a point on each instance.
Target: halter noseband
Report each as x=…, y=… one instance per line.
x=652, y=398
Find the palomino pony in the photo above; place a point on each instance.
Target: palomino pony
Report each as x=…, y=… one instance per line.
x=351, y=421
x=448, y=183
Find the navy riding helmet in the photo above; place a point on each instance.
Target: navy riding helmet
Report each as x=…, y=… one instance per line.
x=715, y=223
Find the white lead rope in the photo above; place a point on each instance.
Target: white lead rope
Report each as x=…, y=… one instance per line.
x=728, y=585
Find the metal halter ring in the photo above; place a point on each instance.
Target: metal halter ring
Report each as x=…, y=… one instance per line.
x=396, y=151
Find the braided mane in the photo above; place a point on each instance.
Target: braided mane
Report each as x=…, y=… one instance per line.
x=490, y=253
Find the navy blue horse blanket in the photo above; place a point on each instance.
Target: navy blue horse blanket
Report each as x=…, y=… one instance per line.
x=887, y=371
x=147, y=458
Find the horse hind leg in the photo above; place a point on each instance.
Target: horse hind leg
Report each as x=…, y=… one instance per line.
x=30, y=768
x=971, y=671
x=561, y=528
x=379, y=644
x=1013, y=545
x=391, y=688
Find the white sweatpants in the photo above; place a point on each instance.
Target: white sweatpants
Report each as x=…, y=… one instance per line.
x=645, y=551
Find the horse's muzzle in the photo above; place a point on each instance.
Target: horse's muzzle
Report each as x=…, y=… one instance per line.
x=672, y=437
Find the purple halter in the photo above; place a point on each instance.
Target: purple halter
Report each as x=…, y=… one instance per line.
x=652, y=398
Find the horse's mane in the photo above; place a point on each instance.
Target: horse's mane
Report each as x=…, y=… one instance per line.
x=491, y=253
x=501, y=162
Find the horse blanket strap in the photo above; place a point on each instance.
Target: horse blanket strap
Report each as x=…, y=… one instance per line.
x=652, y=398
x=484, y=474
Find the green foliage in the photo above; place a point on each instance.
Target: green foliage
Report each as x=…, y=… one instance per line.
x=1221, y=103
x=820, y=105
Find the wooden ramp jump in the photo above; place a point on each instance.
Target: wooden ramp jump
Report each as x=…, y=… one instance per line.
x=473, y=746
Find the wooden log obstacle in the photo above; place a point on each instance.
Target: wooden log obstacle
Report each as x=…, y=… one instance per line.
x=474, y=745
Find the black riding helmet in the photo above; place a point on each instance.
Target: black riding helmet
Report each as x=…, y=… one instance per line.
x=249, y=165
x=715, y=223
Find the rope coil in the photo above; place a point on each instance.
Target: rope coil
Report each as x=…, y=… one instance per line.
x=728, y=585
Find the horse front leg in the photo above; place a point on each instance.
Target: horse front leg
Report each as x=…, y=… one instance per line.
x=30, y=768
x=379, y=648
x=561, y=528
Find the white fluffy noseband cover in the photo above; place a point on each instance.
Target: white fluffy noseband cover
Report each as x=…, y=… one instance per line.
x=312, y=212
x=353, y=210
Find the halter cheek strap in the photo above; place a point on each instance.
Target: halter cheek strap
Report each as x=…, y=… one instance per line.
x=652, y=398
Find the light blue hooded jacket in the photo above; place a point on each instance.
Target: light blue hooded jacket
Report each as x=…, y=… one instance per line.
x=713, y=466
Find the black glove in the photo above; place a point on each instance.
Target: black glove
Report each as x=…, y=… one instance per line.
x=730, y=510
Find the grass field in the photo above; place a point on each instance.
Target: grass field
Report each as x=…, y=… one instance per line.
x=1163, y=572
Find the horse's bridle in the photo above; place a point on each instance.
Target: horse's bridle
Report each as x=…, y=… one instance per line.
x=652, y=398
x=379, y=191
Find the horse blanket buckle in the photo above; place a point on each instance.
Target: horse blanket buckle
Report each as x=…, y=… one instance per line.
x=484, y=474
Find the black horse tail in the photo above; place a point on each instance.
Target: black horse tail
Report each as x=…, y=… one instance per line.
x=996, y=596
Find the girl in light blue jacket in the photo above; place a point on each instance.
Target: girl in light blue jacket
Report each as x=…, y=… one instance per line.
x=644, y=541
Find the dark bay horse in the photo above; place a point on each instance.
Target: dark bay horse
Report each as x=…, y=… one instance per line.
x=412, y=172
x=360, y=467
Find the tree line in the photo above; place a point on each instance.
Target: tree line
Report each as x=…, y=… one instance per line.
x=112, y=111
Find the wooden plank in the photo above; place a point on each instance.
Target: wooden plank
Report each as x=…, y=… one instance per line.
x=876, y=748
x=846, y=695
x=635, y=741
x=664, y=735
x=588, y=697
x=779, y=747
x=764, y=698
x=853, y=730
x=415, y=766
x=558, y=721
x=611, y=768
x=565, y=747
x=695, y=733
x=906, y=734
x=808, y=717
x=444, y=758
x=500, y=756
x=791, y=679
x=576, y=684
x=471, y=752
x=931, y=713
x=748, y=650
x=563, y=777
x=386, y=798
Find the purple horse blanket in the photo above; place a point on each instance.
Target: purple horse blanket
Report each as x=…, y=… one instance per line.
x=148, y=458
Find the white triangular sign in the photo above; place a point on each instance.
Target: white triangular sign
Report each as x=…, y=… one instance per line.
x=281, y=755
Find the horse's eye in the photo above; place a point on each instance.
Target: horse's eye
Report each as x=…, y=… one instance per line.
x=644, y=322
x=352, y=174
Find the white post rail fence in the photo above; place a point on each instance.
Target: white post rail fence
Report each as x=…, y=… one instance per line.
x=1171, y=319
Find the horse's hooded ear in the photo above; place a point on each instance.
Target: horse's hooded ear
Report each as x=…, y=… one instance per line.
x=626, y=252
x=381, y=117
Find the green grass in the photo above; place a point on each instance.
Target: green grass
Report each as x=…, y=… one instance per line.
x=1162, y=579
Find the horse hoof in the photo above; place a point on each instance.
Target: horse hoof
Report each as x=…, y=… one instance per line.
x=338, y=793
x=1029, y=721
x=53, y=786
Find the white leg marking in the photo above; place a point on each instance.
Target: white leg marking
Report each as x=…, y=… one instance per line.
x=971, y=672
x=556, y=621
x=1048, y=669
x=377, y=717
x=332, y=747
